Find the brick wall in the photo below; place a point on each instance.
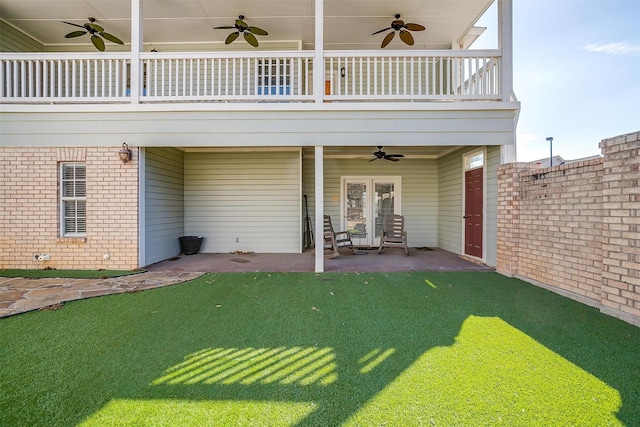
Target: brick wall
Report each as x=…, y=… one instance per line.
x=621, y=225
x=30, y=211
x=508, y=227
x=575, y=228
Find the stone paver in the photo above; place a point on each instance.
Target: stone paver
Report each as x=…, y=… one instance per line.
x=19, y=295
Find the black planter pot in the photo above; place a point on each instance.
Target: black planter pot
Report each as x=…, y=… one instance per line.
x=190, y=245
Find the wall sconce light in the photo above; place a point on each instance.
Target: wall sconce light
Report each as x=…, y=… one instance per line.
x=343, y=72
x=125, y=153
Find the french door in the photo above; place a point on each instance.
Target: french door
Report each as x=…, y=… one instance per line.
x=365, y=202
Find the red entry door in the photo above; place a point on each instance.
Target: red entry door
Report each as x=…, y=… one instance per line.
x=473, y=212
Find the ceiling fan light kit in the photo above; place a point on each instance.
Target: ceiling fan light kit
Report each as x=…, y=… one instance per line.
x=249, y=32
x=403, y=29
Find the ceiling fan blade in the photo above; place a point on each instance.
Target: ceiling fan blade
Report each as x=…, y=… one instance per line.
x=387, y=39
x=225, y=27
x=97, y=42
x=231, y=37
x=380, y=31
x=375, y=158
x=392, y=159
x=94, y=26
x=251, y=39
x=240, y=24
x=71, y=23
x=394, y=155
x=406, y=37
x=258, y=31
x=75, y=34
x=111, y=38
x=414, y=27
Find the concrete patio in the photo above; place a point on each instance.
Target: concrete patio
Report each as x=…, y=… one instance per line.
x=420, y=259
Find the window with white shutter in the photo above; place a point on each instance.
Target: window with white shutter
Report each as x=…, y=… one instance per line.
x=73, y=199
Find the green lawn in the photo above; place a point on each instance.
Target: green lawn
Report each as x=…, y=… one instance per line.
x=404, y=349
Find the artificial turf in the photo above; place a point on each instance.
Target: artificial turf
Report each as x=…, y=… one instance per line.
x=467, y=349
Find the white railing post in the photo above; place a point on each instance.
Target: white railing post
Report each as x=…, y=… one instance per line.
x=505, y=44
x=318, y=60
x=135, y=82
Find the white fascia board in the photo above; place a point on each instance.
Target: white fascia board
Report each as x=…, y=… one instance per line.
x=266, y=107
x=263, y=129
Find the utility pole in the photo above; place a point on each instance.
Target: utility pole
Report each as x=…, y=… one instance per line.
x=550, y=139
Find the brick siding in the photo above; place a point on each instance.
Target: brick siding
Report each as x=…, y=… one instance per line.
x=30, y=212
x=575, y=228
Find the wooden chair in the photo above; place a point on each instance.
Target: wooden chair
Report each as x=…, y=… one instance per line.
x=335, y=240
x=393, y=234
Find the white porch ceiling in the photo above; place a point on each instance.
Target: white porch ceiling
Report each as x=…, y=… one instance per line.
x=427, y=152
x=348, y=23
x=341, y=152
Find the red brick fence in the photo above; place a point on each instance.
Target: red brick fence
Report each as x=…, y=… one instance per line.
x=575, y=228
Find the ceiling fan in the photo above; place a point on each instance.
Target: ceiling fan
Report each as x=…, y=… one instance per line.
x=398, y=25
x=96, y=31
x=242, y=27
x=382, y=155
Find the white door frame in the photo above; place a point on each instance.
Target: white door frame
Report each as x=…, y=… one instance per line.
x=465, y=156
x=370, y=180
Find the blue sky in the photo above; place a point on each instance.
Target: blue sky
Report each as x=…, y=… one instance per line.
x=576, y=73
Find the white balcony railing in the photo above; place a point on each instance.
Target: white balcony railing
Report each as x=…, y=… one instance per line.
x=65, y=77
x=251, y=77
x=228, y=77
x=433, y=75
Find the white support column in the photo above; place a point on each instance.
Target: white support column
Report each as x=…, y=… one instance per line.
x=505, y=44
x=319, y=195
x=318, y=60
x=508, y=153
x=136, y=47
x=142, y=223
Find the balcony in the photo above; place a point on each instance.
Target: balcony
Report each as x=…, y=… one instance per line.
x=251, y=77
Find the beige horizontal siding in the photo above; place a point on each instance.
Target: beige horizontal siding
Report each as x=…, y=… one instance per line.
x=450, y=202
x=13, y=40
x=164, y=203
x=253, y=198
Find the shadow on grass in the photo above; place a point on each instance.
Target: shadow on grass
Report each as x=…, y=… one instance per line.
x=302, y=349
